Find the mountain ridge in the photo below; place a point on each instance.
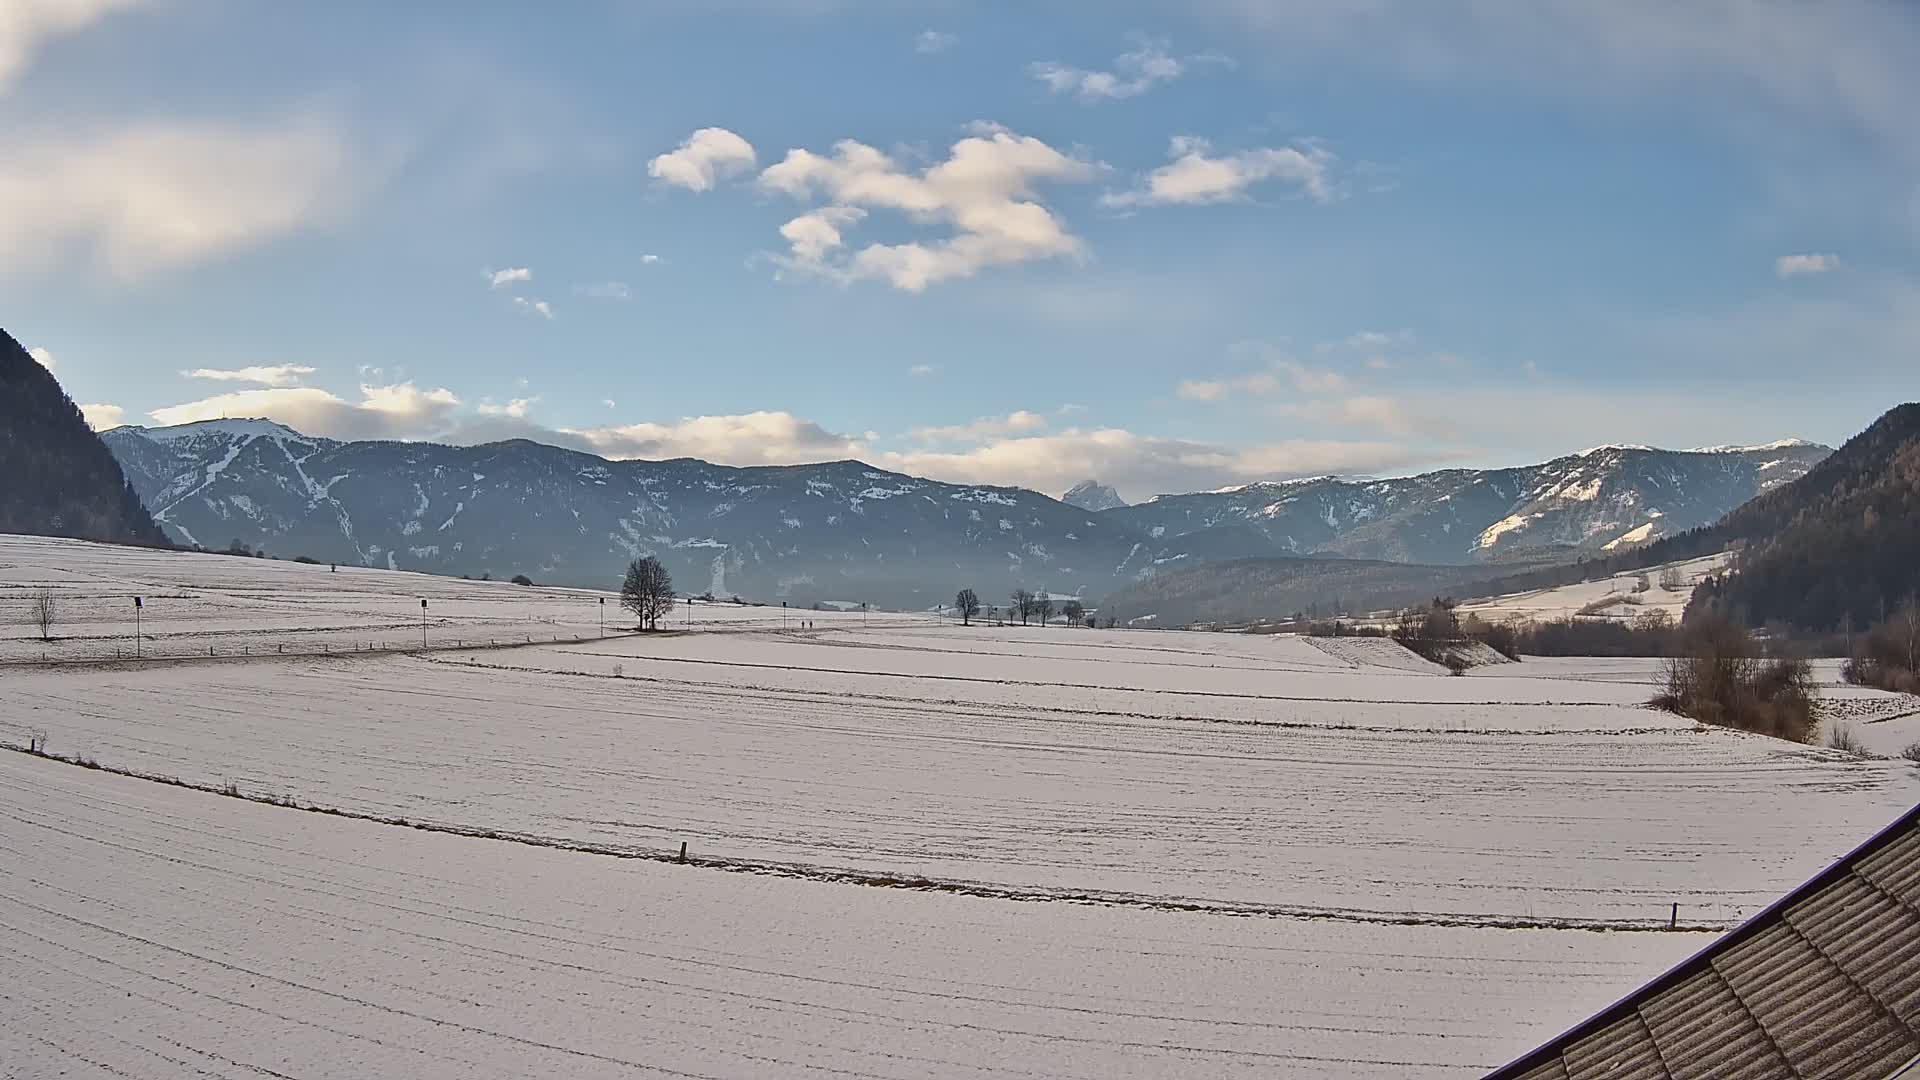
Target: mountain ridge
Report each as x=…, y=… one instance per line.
x=843, y=530
x=1863, y=500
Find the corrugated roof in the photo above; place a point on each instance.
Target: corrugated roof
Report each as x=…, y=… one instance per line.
x=1824, y=983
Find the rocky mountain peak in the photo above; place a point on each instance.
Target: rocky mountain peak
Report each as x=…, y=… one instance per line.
x=1092, y=495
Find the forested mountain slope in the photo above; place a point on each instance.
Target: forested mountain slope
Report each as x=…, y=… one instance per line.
x=59, y=478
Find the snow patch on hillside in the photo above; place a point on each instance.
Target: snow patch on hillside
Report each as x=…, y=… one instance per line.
x=1500, y=528
x=1633, y=536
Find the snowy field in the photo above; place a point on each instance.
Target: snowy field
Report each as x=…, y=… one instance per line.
x=1131, y=853
x=155, y=932
x=196, y=605
x=1610, y=597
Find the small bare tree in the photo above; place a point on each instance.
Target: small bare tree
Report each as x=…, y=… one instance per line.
x=1022, y=606
x=1075, y=611
x=1043, y=607
x=1670, y=579
x=1907, y=623
x=43, y=614
x=648, y=591
x=968, y=604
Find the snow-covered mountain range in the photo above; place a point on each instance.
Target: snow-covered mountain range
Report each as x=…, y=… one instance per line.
x=845, y=531
x=1601, y=499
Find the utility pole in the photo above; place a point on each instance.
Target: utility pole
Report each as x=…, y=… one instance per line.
x=603, y=616
x=423, y=622
x=136, y=628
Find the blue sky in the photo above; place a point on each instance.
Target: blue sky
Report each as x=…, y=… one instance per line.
x=1168, y=246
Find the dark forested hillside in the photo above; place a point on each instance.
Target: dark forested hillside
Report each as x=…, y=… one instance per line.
x=1841, y=544
x=1246, y=590
x=60, y=479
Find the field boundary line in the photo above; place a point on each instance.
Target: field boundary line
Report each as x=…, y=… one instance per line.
x=888, y=880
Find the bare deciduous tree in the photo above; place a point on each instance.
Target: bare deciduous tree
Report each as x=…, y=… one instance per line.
x=1022, y=605
x=1043, y=607
x=968, y=604
x=1670, y=579
x=648, y=591
x=43, y=614
x=1074, y=611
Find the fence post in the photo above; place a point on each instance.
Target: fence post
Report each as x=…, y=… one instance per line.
x=683, y=851
x=1673, y=920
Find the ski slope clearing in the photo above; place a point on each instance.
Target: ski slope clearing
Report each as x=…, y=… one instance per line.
x=156, y=932
x=1567, y=601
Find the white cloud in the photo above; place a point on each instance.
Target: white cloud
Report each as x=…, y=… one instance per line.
x=276, y=375
x=983, y=192
x=44, y=356
x=517, y=408
x=1012, y=449
x=933, y=41
x=1196, y=177
x=609, y=403
x=757, y=438
x=397, y=411
x=703, y=160
x=649, y=260
x=26, y=24
x=510, y=275
x=538, y=307
x=1134, y=73
x=102, y=417
x=1376, y=339
x=1790, y=265
x=816, y=234
x=1140, y=466
x=1019, y=422
x=1281, y=374
x=921, y=371
x=608, y=290
x=1371, y=411
x=154, y=197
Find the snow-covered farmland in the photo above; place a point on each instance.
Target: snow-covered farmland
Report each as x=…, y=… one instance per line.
x=222, y=605
x=1612, y=597
x=1071, y=820
x=154, y=932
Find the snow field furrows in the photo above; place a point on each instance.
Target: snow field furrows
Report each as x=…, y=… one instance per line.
x=299, y=945
x=1440, y=871
x=1606, y=826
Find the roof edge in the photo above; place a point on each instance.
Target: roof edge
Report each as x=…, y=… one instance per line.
x=1553, y=1047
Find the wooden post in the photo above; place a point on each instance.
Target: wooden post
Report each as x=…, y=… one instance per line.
x=1673, y=920
x=683, y=851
